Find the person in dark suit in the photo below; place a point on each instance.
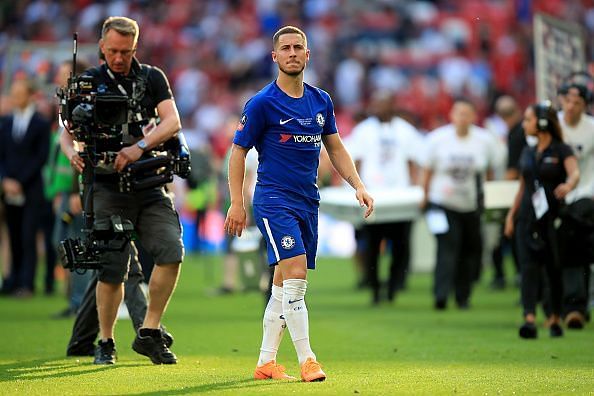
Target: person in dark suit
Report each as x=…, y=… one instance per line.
x=24, y=146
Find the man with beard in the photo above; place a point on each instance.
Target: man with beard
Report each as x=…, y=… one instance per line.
x=287, y=122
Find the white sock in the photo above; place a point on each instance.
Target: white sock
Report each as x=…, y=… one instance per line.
x=295, y=313
x=274, y=326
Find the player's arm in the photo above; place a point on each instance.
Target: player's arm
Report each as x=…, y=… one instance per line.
x=170, y=124
x=573, y=177
x=236, y=215
x=510, y=219
x=413, y=172
x=426, y=183
x=343, y=163
x=68, y=148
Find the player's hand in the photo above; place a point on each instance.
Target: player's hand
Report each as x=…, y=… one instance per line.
x=126, y=156
x=75, y=204
x=57, y=202
x=236, y=220
x=11, y=186
x=365, y=200
x=562, y=190
x=508, y=230
x=77, y=162
x=424, y=203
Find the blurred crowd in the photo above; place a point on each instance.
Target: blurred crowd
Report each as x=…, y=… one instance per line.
x=216, y=53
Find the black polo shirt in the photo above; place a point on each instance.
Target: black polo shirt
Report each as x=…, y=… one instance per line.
x=545, y=169
x=155, y=89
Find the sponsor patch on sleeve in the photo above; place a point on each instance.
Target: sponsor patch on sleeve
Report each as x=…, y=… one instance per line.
x=241, y=122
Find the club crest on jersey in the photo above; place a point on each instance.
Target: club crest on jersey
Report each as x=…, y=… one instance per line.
x=288, y=242
x=242, y=122
x=320, y=119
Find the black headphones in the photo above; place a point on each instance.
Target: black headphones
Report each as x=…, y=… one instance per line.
x=581, y=81
x=541, y=110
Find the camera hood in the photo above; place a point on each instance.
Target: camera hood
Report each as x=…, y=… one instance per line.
x=111, y=109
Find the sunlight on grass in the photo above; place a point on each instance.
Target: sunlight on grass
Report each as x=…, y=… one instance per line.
x=399, y=348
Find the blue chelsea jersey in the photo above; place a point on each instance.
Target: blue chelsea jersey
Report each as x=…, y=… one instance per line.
x=287, y=133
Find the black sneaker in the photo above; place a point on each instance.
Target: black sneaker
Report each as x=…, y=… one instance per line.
x=575, y=320
x=105, y=352
x=167, y=337
x=528, y=331
x=151, y=343
x=555, y=330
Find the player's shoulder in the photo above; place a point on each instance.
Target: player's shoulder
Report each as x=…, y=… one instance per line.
x=5, y=120
x=263, y=96
x=369, y=122
x=444, y=132
x=402, y=122
x=589, y=121
x=562, y=148
x=151, y=70
x=366, y=127
x=94, y=71
x=481, y=133
x=318, y=92
x=404, y=127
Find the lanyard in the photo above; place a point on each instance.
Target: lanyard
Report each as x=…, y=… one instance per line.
x=120, y=87
x=125, y=131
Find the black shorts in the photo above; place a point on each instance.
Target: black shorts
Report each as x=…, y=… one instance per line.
x=155, y=220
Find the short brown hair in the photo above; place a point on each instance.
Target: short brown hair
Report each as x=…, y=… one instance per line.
x=287, y=30
x=122, y=25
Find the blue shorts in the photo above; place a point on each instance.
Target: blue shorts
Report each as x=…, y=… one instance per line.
x=288, y=233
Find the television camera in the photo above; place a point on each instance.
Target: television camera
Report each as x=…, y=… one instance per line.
x=99, y=122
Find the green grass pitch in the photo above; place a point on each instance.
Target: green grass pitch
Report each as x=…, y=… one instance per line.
x=400, y=348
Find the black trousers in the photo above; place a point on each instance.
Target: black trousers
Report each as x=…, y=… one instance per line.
x=576, y=289
x=535, y=259
x=459, y=252
x=86, y=324
x=398, y=235
x=497, y=255
x=47, y=221
x=576, y=240
x=23, y=223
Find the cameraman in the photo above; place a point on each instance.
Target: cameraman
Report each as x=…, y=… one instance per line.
x=151, y=211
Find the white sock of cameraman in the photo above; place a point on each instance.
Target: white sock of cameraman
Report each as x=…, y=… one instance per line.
x=295, y=312
x=274, y=326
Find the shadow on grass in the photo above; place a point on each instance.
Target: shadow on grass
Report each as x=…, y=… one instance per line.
x=39, y=369
x=239, y=385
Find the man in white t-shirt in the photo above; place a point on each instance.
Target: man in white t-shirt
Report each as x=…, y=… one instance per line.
x=384, y=148
x=459, y=157
x=578, y=132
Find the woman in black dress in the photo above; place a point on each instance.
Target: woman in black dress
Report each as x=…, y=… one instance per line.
x=548, y=171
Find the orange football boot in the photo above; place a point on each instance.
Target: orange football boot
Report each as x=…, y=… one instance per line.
x=312, y=371
x=271, y=370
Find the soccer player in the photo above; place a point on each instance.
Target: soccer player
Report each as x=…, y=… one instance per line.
x=287, y=122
